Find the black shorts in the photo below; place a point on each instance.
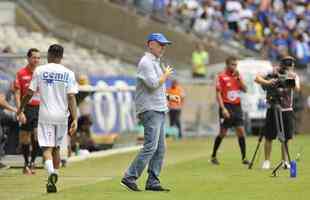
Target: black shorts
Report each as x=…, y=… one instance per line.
x=32, y=115
x=236, y=118
x=270, y=130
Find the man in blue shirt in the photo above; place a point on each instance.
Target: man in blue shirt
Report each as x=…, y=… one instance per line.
x=151, y=107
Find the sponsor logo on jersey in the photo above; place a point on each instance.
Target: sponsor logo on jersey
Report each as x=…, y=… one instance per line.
x=51, y=77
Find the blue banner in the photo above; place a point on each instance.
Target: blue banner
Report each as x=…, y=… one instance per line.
x=112, y=112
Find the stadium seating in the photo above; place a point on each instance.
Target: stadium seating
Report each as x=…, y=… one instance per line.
x=79, y=59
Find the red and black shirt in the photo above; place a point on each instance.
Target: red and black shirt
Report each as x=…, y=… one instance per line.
x=22, y=82
x=229, y=87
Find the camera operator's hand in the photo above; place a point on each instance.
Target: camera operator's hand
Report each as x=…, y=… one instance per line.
x=225, y=113
x=271, y=82
x=291, y=75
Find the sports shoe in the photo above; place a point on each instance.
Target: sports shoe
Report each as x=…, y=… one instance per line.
x=131, y=186
x=157, y=188
x=63, y=163
x=51, y=183
x=214, y=161
x=266, y=165
x=26, y=170
x=245, y=162
x=286, y=165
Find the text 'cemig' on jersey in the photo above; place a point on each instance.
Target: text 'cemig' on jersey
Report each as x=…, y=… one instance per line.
x=51, y=77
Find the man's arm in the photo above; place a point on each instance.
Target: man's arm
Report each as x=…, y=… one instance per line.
x=4, y=104
x=262, y=81
x=219, y=98
x=221, y=104
x=297, y=80
x=17, y=92
x=17, y=97
x=73, y=112
x=25, y=100
x=297, y=84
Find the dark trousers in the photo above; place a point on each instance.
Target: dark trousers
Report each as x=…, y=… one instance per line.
x=175, y=120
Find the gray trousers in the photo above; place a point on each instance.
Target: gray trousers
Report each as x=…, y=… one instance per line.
x=153, y=151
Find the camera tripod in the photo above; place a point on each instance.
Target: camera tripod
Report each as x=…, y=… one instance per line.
x=261, y=135
x=280, y=134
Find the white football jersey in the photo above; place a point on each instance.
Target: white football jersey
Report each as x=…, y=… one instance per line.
x=53, y=82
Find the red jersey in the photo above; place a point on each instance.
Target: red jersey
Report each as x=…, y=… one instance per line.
x=22, y=82
x=229, y=87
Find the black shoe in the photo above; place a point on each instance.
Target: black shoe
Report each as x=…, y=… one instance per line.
x=51, y=183
x=214, y=161
x=130, y=186
x=50, y=188
x=63, y=163
x=245, y=162
x=157, y=188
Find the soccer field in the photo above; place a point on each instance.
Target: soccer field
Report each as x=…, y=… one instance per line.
x=187, y=172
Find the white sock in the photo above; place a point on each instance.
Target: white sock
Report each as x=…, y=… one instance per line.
x=49, y=166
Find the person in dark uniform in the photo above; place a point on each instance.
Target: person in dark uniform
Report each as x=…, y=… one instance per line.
x=229, y=84
x=286, y=66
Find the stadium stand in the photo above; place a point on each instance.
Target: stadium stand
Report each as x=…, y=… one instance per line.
x=79, y=59
x=272, y=28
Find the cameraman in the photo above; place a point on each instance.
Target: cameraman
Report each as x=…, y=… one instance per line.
x=284, y=93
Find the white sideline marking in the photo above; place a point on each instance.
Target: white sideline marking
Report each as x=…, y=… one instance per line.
x=104, y=153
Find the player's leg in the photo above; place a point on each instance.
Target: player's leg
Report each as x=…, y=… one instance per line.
x=217, y=142
x=49, y=166
x=238, y=123
x=64, y=151
x=35, y=149
x=242, y=144
x=48, y=157
x=34, y=112
x=47, y=141
x=53, y=154
x=24, y=139
x=56, y=158
x=224, y=125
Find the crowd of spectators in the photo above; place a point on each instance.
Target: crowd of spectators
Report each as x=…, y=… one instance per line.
x=273, y=28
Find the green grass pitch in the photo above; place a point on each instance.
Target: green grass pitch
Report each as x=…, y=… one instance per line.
x=187, y=172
